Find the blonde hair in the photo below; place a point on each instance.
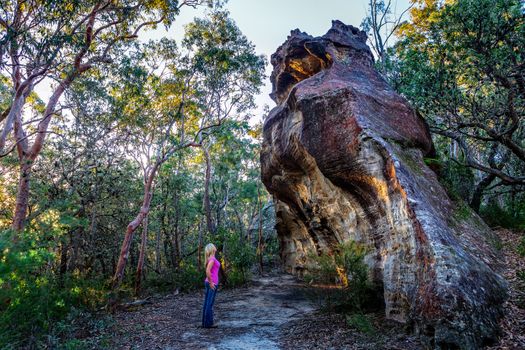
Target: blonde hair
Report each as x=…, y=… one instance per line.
x=209, y=250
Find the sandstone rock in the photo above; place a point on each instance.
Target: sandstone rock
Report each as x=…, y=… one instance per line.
x=343, y=157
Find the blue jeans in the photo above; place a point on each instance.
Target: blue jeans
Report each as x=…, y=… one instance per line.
x=207, y=310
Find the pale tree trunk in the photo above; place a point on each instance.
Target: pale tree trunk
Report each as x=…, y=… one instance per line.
x=28, y=155
x=176, y=228
x=242, y=230
x=199, y=249
x=259, y=242
x=140, y=265
x=157, y=251
x=176, y=248
x=14, y=113
x=207, y=205
x=163, y=229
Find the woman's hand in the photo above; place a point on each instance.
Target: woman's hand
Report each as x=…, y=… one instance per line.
x=212, y=285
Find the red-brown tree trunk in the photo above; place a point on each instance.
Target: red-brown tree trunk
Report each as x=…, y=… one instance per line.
x=140, y=265
x=22, y=197
x=132, y=226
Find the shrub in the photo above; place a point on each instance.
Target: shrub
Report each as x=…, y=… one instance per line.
x=494, y=216
x=271, y=252
x=457, y=179
x=360, y=322
x=236, y=278
x=81, y=329
x=188, y=277
x=238, y=258
x=32, y=298
x=347, y=269
x=323, y=269
x=350, y=260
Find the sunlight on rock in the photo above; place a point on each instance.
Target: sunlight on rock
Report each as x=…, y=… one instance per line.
x=343, y=156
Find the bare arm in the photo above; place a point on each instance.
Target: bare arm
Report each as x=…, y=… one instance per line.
x=208, y=273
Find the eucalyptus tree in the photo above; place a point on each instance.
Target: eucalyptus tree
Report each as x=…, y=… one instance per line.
x=381, y=22
x=53, y=43
x=229, y=75
x=461, y=65
x=188, y=96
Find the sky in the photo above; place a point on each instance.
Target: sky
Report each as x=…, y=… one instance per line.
x=267, y=23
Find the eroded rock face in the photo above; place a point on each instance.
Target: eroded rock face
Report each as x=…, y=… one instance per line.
x=343, y=156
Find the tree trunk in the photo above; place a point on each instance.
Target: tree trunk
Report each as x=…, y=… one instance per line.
x=14, y=112
x=132, y=226
x=102, y=265
x=477, y=196
x=199, y=249
x=63, y=260
x=176, y=250
x=207, y=206
x=22, y=197
x=142, y=254
x=176, y=228
x=75, y=242
x=242, y=230
x=157, y=250
x=259, y=243
x=28, y=155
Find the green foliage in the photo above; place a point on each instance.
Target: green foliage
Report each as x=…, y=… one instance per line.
x=236, y=277
x=185, y=278
x=188, y=277
x=32, y=298
x=271, y=251
x=346, y=267
x=87, y=184
x=360, y=322
x=462, y=211
x=81, y=329
x=324, y=269
x=458, y=180
x=457, y=63
x=239, y=256
x=496, y=216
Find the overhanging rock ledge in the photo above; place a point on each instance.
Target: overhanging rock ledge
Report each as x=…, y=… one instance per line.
x=343, y=156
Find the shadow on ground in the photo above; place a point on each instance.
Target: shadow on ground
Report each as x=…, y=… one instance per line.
x=274, y=312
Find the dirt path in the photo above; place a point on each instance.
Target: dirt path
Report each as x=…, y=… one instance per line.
x=278, y=312
x=248, y=318
x=274, y=312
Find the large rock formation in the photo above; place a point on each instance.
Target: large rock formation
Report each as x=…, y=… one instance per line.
x=343, y=156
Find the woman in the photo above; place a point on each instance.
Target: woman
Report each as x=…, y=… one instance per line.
x=210, y=283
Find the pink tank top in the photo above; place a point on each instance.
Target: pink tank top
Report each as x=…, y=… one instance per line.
x=214, y=271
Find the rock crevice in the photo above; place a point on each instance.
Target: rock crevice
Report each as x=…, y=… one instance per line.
x=343, y=157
